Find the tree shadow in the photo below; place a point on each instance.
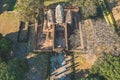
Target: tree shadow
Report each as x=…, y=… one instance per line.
x=60, y=67
x=117, y=30
x=111, y=4
x=81, y=74
x=61, y=3
x=21, y=49
x=77, y=72
x=7, y=5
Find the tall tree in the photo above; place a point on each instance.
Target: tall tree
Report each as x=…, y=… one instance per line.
x=31, y=10
x=88, y=7
x=13, y=70
x=107, y=67
x=5, y=48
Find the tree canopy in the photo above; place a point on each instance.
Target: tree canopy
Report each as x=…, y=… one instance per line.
x=30, y=10
x=13, y=70
x=106, y=68
x=5, y=48
x=88, y=7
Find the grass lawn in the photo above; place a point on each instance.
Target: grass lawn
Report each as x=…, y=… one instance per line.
x=9, y=22
x=38, y=66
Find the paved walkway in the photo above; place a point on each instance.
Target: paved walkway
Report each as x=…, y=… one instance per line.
x=60, y=67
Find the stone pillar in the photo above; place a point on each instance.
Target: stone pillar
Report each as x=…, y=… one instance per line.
x=59, y=14
x=50, y=17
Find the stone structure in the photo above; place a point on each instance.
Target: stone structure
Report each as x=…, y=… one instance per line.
x=69, y=17
x=50, y=17
x=59, y=14
x=53, y=33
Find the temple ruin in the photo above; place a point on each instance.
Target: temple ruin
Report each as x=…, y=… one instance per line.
x=54, y=34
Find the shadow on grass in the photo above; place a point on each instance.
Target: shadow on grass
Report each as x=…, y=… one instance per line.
x=61, y=3
x=7, y=5
x=22, y=48
x=117, y=30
